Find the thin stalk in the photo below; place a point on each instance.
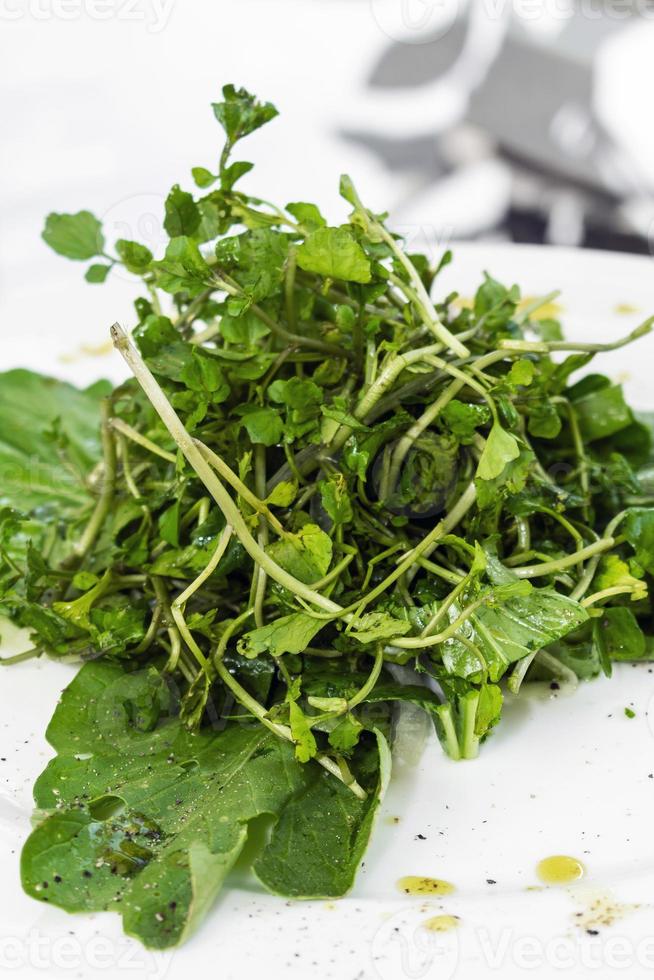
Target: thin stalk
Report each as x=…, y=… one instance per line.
x=435, y=639
x=260, y=579
x=289, y=288
x=545, y=347
x=551, y=567
x=596, y=597
x=103, y=505
x=19, y=658
x=258, y=710
x=126, y=430
x=258, y=505
x=295, y=339
x=426, y=305
x=207, y=475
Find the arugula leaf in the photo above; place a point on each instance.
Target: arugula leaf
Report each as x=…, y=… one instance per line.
x=147, y=819
x=283, y=867
x=42, y=466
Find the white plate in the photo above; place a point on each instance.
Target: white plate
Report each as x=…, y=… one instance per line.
x=562, y=775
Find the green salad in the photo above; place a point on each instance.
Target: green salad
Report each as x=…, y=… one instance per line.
x=327, y=490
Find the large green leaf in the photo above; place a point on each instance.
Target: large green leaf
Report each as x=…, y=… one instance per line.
x=49, y=440
x=76, y=236
x=508, y=631
x=147, y=819
x=335, y=253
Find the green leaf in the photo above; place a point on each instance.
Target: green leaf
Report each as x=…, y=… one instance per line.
x=296, y=393
x=183, y=268
x=335, y=500
x=489, y=706
x=495, y=304
x=463, y=419
x=256, y=260
x=307, y=555
x=155, y=333
x=289, y=634
x=263, y=425
x=602, y=413
x=38, y=467
x=620, y=636
x=203, y=177
x=544, y=420
x=335, y=254
x=379, y=626
x=337, y=413
x=613, y=572
x=182, y=214
x=169, y=524
x=135, y=257
x=638, y=529
x=345, y=735
x=204, y=373
x=500, y=449
x=305, y=742
x=97, y=273
x=522, y=372
x=506, y=631
x=147, y=819
x=283, y=866
x=283, y=494
x=307, y=215
x=76, y=236
x=246, y=329
x=229, y=175
x=240, y=113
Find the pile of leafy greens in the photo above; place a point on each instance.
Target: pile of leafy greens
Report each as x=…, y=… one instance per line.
x=316, y=478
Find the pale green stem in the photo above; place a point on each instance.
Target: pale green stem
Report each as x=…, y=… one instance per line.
x=135, y=436
x=103, y=505
x=435, y=323
x=591, y=600
x=258, y=710
x=228, y=475
x=551, y=567
x=208, y=477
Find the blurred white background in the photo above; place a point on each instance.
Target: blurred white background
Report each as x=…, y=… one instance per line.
x=525, y=120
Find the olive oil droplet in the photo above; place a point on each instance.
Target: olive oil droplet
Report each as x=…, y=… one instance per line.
x=417, y=885
x=560, y=869
x=441, y=923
